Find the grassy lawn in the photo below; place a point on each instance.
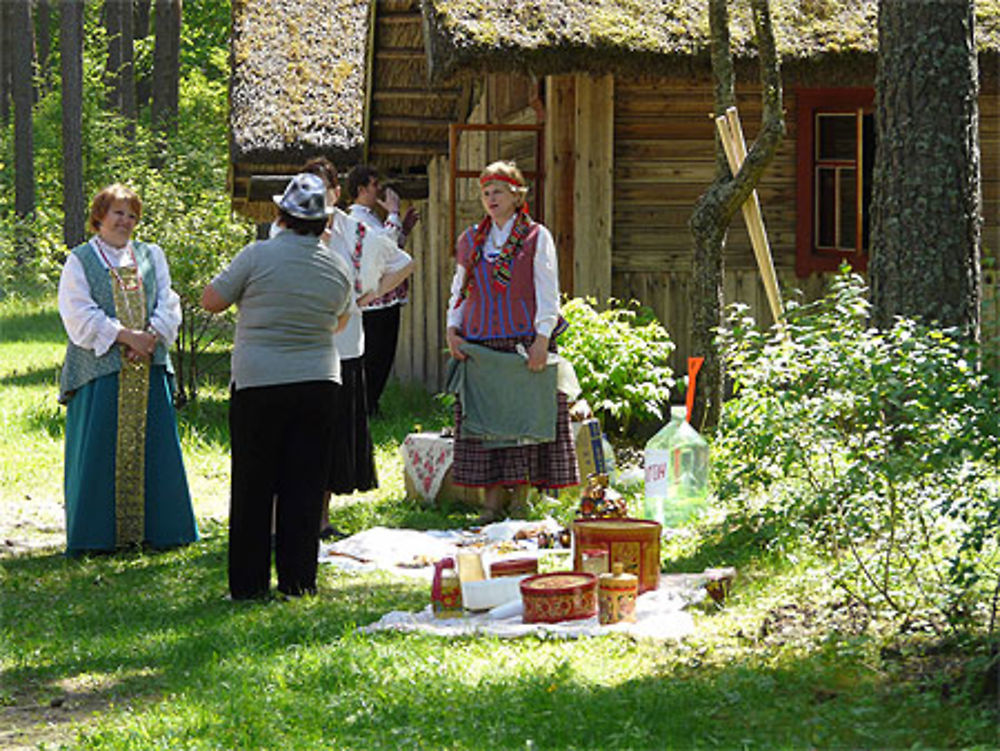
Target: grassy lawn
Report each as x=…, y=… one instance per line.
x=143, y=651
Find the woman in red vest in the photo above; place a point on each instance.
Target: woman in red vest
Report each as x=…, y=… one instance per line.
x=505, y=297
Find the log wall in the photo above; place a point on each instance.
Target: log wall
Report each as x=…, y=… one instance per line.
x=663, y=159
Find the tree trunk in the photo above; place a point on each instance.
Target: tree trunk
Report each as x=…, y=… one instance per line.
x=120, y=73
x=716, y=207
x=22, y=82
x=926, y=203
x=6, y=60
x=140, y=30
x=166, y=65
x=71, y=54
x=43, y=36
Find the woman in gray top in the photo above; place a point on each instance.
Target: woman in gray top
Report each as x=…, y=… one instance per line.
x=293, y=296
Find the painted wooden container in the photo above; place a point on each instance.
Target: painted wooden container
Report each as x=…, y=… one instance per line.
x=446, y=590
x=559, y=596
x=514, y=567
x=635, y=543
x=616, y=595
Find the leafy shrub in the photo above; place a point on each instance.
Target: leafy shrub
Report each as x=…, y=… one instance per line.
x=621, y=356
x=879, y=446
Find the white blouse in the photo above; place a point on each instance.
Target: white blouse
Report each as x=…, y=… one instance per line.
x=546, y=277
x=379, y=256
x=90, y=327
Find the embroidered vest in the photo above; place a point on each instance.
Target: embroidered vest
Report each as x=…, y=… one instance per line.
x=82, y=365
x=492, y=311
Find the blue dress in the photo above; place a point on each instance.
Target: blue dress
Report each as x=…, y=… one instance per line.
x=90, y=388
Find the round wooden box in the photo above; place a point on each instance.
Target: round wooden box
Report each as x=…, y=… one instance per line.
x=514, y=567
x=560, y=596
x=635, y=543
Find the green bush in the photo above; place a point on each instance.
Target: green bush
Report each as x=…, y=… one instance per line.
x=621, y=356
x=878, y=446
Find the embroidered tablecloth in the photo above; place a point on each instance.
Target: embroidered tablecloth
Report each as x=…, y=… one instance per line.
x=427, y=458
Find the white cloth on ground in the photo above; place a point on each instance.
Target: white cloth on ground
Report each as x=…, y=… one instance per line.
x=660, y=614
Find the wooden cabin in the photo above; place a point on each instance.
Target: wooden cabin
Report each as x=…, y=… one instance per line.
x=606, y=107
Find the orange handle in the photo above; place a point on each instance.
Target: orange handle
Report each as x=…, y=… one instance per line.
x=694, y=365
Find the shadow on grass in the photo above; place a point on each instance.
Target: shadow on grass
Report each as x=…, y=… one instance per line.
x=298, y=674
x=46, y=376
x=40, y=326
x=151, y=618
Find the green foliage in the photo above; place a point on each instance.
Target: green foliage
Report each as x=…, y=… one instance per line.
x=182, y=181
x=621, y=356
x=143, y=650
x=878, y=446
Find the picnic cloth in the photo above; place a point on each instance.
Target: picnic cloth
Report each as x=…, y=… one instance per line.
x=412, y=552
x=660, y=614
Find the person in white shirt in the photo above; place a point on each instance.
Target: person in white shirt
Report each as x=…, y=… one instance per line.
x=382, y=313
x=124, y=481
x=380, y=265
x=505, y=295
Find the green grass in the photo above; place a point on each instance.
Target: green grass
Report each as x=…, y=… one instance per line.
x=143, y=651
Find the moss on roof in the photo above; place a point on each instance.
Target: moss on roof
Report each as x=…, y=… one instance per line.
x=558, y=36
x=298, y=78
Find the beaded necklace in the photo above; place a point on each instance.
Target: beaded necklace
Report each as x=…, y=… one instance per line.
x=500, y=272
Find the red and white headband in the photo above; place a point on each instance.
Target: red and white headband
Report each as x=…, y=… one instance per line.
x=501, y=178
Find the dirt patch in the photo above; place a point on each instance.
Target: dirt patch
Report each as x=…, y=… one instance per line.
x=30, y=524
x=55, y=714
x=29, y=721
x=795, y=622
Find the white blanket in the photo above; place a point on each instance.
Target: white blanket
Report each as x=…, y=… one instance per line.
x=659, y=614
x=412, y=553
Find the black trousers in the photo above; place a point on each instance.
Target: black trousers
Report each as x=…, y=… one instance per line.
x=280, y=439
x=381, y=334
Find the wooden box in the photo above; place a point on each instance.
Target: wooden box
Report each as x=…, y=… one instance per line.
x=560, y=596
x=635, y=543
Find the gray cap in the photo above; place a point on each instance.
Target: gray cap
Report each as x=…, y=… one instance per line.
x=305, y=197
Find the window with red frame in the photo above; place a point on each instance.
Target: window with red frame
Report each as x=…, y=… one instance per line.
x=836, y=150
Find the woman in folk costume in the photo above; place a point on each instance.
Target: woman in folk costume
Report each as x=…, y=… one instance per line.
x=505, y=299
x=379, y=266
x=124, y=476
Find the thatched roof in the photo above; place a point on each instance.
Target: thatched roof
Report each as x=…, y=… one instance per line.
x=467, y=37
x=298, y=80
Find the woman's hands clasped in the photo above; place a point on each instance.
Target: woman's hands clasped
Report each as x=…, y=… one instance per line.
x=138, y=346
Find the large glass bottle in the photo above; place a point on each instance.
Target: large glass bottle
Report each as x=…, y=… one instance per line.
x=676, y=469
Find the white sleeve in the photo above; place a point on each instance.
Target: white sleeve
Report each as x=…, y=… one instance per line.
x=546, y=277
x=166, y=316
x=396, y=258
x=86, y=324
x=457, y=282
x=394, y=227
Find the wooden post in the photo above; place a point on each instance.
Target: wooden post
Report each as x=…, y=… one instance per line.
x=731, y=135
x=593, y=186
x=560, y=111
